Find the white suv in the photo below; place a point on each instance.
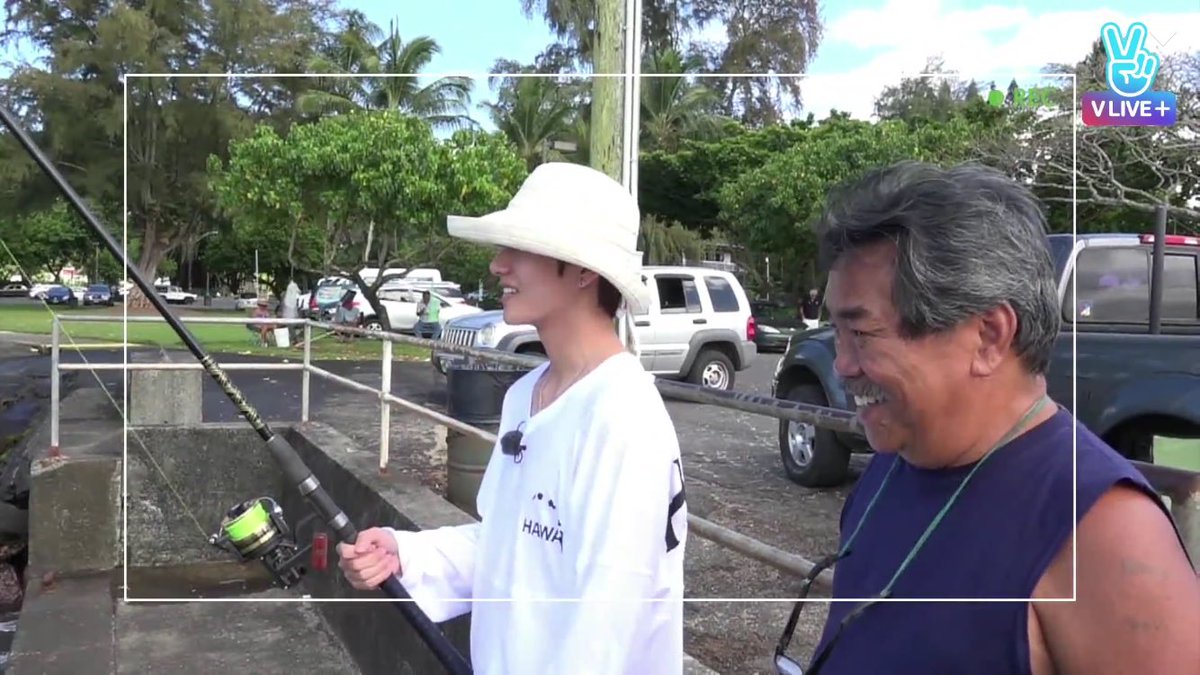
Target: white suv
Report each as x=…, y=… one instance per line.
x=699, y=328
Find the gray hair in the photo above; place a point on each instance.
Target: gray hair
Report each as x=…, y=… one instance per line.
x=968, y=239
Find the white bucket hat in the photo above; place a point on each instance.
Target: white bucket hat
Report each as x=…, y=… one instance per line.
x=572, y=213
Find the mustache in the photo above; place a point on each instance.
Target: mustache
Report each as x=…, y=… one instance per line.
x=863, y=387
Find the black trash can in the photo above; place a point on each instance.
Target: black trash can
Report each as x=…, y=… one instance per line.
x=475, y=396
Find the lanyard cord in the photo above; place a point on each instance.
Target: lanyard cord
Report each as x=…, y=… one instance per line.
x=1017, y=428
x=1012, y=433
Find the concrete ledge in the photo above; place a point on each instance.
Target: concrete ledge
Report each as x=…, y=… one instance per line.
x=66, y=628
x=74, y=506
x=164, y=397
x=75, y=497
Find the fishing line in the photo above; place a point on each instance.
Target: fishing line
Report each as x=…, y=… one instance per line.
x=271, y=529
x=116, y=406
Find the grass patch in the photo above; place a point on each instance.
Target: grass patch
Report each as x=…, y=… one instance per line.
x=1181, y=453
x=216, y=338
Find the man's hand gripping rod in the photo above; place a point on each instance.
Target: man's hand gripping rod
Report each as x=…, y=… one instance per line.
x=296, y=472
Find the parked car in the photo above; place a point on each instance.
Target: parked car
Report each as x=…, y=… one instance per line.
x=61, y=295
x=15, y=289
x=38, y=291
x=1132, y=384
x=247, y=300
x=774, y=329
x=174, y=295
x=98, y=294
x=324, y=299
x=699, y=328
x=401, y=306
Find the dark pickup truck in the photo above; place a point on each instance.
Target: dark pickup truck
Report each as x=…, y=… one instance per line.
x=1133, y=383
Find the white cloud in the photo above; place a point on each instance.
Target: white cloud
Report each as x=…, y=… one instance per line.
x=989, y=43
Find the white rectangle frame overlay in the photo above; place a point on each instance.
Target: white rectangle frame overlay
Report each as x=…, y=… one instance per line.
x=333, y=570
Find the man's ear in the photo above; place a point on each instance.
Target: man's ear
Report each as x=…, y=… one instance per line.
x=997, y=331
x=587, y=277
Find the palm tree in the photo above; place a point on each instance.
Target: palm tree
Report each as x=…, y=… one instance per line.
x=359, y=49
x=674, y=107
x=535, y=114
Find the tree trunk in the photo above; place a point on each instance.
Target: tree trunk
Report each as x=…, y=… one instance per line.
x=606, y=118
x=153, y=252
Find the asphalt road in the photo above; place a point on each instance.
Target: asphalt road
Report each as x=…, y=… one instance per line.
x=731, y=460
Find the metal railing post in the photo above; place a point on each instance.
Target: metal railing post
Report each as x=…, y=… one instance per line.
x=385, y=407
x=55, y=330
x=305, y=377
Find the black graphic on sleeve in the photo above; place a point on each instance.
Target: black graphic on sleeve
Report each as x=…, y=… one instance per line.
x=676, y=511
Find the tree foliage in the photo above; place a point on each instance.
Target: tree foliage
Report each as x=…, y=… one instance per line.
x=373, y=188
x=771, y=208
x=74, y=101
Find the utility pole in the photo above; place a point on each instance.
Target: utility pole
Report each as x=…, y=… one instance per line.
x=608, y=66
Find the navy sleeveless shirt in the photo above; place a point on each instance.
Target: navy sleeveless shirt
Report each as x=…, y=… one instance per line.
x=995, y=542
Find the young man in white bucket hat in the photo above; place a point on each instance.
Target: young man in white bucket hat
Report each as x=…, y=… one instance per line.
x=577, y=563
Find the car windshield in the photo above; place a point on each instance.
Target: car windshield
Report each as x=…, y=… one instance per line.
x=331, y=292
x=97, y=288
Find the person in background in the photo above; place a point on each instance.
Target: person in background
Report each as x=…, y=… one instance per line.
x=262, y=311
x=583, y=518
x=290, y=309
x=944, y=301
x=347, y=315
x=429, y=311
x=810, y=308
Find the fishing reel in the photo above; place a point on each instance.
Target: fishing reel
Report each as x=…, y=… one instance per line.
x=256, y=530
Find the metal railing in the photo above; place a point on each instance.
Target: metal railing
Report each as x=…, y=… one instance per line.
x=1180, y=486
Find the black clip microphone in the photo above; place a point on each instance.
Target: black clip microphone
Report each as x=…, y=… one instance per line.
x=510, y=444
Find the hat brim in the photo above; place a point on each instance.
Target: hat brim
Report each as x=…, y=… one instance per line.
x=608, y=260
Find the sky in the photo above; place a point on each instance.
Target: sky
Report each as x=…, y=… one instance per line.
x=867, y=44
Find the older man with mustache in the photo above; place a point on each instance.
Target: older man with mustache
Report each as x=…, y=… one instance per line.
x=944, y=301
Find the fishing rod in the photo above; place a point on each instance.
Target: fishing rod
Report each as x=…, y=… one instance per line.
x=255, y=529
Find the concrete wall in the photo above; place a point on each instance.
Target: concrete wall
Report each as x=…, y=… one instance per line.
x=208, y=469
x=75, y=498
x=378, y=636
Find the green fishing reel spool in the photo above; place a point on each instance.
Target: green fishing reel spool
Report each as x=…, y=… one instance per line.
x=256, y=530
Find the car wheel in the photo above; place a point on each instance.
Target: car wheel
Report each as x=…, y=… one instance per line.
x=373, y=325
x=812, y=456
x=712, y=370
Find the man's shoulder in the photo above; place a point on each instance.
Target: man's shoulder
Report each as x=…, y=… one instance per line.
x=626, y=387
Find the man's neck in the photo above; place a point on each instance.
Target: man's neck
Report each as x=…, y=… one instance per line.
x=986, y=424
x=578, y=341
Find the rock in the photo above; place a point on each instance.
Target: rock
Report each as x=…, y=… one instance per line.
x=14, y=522
x=11, y=592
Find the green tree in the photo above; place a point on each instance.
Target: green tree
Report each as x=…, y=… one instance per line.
x=361, y=47
x=46, y=240
x=674, y=108
x=536, y=112
x=681, y=185
x=73, y=101
x=770, y=208
x=761, y=36
x=374, y=188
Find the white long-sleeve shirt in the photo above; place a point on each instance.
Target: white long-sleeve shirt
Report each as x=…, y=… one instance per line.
x=593, y=510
